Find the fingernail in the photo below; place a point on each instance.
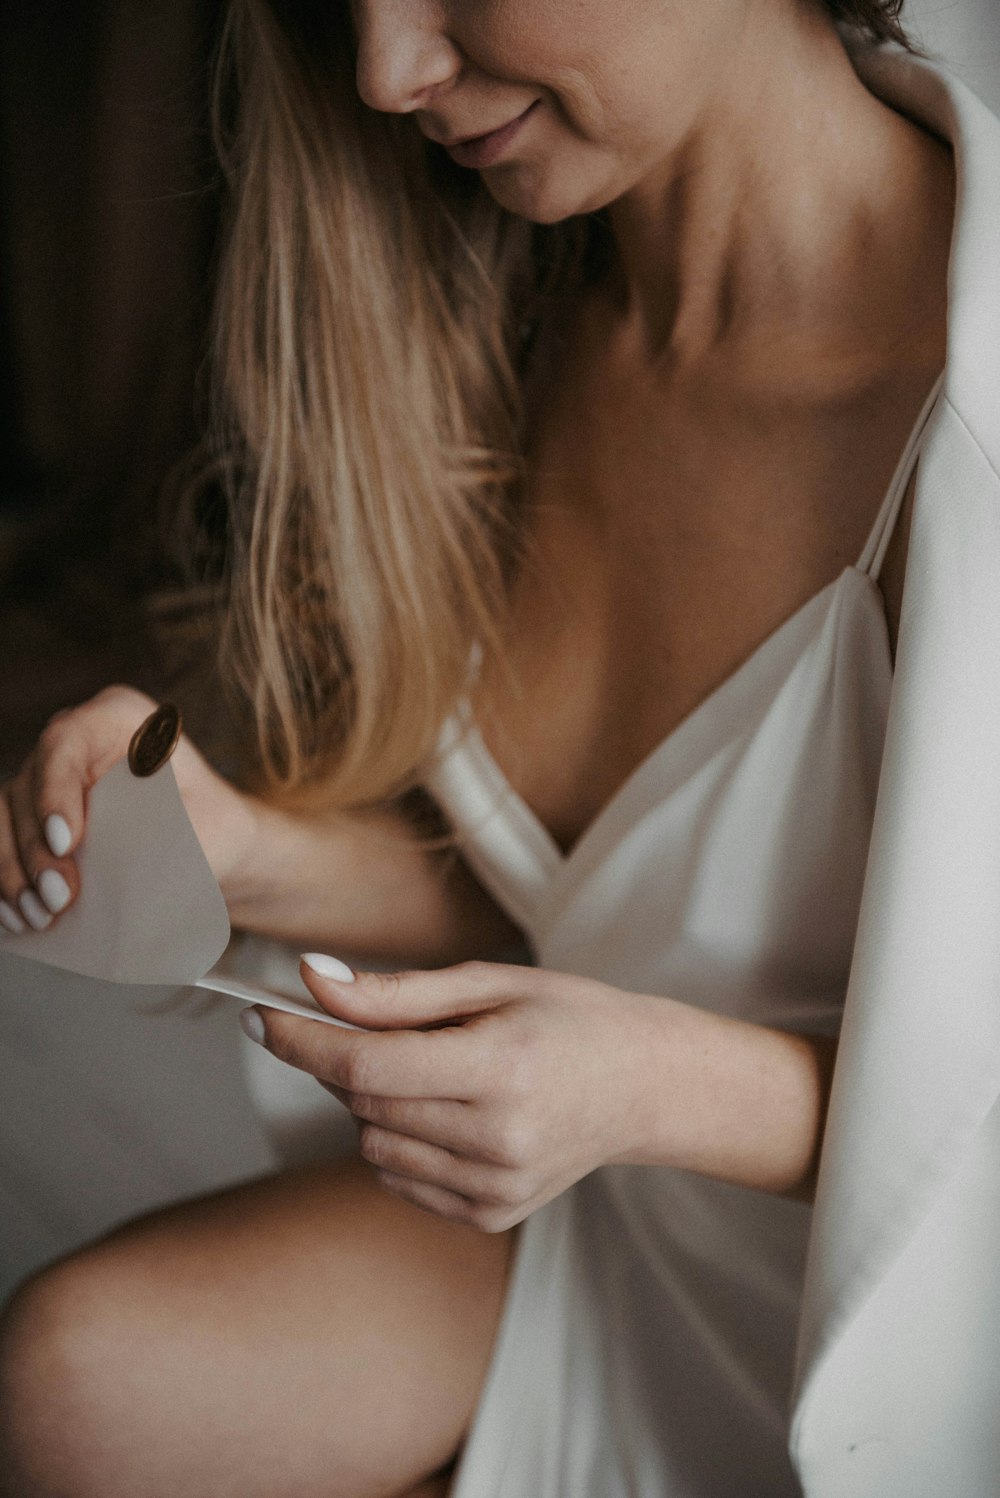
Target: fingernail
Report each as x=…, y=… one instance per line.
x=58, y=835
x=328, y=967
x=54, y=890
x=10, y=918
x=33, y=910
x=252, y=1024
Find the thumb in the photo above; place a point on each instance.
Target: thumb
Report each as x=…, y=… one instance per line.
x=408, y=1000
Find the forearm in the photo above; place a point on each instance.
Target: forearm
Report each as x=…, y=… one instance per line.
x=735, y=1101
x=365, y=885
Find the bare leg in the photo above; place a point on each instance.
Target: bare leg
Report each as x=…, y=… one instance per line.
x=307, y=1336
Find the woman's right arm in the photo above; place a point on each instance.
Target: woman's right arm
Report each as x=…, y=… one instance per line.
x=364, y=885
x=347, y=884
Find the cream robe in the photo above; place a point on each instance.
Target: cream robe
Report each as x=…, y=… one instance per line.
x=898, y=1383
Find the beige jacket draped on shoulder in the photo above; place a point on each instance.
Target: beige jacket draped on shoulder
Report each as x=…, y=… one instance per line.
x=898, y=1385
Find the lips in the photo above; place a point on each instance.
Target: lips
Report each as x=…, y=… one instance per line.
x=482, y=150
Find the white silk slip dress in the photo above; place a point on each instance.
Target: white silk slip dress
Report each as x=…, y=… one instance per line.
x=646, y=1342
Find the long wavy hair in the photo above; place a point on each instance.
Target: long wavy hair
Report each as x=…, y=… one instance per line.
x=374, y=312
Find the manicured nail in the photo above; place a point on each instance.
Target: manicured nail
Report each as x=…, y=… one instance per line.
x=33, y=910
x=328, y=967
x=58, y=835
x=10, y=919
x=252, y=1024
x=54, y=890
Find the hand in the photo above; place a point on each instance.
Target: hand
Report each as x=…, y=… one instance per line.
x=508, y=1084
x=43, y=809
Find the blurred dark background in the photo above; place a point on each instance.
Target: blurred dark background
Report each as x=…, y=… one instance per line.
x=108, y=224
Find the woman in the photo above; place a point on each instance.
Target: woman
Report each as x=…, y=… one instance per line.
x=601, y=340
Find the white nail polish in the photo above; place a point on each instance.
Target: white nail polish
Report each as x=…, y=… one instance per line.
x=57, y=835
x=10, y=919
x=33, y=910
x=54, y=890
x=328, y=967
x=252, y=1025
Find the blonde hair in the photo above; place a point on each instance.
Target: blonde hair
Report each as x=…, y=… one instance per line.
x=366, y=363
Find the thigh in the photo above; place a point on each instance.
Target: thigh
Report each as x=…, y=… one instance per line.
x=307, y=1334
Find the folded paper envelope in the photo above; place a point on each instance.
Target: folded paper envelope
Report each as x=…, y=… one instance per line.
x=149, y=910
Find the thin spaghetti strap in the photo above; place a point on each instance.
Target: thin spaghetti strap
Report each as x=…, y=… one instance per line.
x=872, y=557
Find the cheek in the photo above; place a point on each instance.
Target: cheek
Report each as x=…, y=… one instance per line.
x=624, y=105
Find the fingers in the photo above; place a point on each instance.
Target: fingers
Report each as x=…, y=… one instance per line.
x=43, y=809
x=417, y=998
x=434, y=1199
x=430, y=1165
x=30, y=889
x=41, y=821
x=454, y=1126
x=76, y=748
x=441, y=1202
x=12, y=877
x=56, y=780
x=49, y=884
x=390, y=1063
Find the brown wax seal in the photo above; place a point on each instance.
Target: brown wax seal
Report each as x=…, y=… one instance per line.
x=155, y=740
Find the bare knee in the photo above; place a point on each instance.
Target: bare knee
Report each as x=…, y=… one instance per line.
x=63, y=1351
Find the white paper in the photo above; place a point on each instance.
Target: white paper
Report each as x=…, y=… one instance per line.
x=234, y=988
x=149, y=909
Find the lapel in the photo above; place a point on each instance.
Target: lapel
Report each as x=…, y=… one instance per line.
x=919, y=1062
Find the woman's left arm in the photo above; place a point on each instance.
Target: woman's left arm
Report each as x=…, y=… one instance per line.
x=484, y=1090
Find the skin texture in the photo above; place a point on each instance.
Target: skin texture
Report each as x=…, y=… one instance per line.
x=305, y=1335
x=465, y=1111
x=616, y=84
x=725, y=412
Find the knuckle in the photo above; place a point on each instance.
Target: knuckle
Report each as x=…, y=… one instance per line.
x=371, y=1143
x=388, y=987
x=120, y=694
x=396, y=1186
x=502, y=1192
x=519, y=1080
x=514, y=1147
x=56, y=768
x=55, y=733
x=388, y=984
x=475, y=972
x=356, y=1072
x=461, y=1210
x=487, y=1218
x=377, y=1110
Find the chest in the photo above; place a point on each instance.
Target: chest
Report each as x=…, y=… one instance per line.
x=663, y=543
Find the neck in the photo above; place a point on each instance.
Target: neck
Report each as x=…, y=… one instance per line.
x=777, y=210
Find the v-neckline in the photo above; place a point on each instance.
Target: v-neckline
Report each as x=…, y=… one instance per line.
x=727, y=708
x=734, y=706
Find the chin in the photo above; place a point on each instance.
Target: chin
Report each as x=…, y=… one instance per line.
x=542, y=198
x=539, y=201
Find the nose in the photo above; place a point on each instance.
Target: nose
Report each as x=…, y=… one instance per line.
x=404, y=53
